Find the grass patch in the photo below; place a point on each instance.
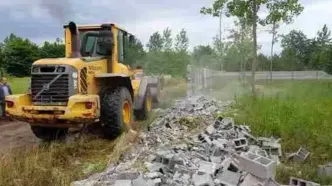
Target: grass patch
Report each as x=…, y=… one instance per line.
x=300, y=113
x=19, y=85
x=56, y=163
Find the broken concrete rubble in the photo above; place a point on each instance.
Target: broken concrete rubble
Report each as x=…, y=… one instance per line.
x=301, y=155
x=325, y=170
x=180, y=152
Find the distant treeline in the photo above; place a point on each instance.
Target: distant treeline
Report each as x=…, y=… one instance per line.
x=167, y=55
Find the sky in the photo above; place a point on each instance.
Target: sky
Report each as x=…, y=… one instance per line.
x=43, y=20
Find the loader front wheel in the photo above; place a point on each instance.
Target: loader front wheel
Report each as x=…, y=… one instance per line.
x=49, y=133
x=116, y=112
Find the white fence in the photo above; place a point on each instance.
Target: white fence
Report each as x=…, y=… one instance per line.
x=199, y=78
x=282, y=74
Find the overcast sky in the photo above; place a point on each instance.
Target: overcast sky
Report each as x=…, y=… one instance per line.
x=41, y=20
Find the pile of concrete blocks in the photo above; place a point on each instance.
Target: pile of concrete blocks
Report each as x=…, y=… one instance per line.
x=221, y=153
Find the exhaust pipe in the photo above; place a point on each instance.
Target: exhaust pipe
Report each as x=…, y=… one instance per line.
x=75, y=40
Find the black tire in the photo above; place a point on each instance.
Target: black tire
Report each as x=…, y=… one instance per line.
x=111, y=111
x=144, y=113
x=49, y=133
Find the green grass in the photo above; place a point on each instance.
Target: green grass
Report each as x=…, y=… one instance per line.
x=300, y=112
x=19, y=85
x=55, y=164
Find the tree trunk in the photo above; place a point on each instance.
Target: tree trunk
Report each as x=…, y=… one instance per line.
x=273, y=38
x=243, y=67
x=254, y=34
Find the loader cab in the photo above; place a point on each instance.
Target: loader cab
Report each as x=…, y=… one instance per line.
x=103, y=40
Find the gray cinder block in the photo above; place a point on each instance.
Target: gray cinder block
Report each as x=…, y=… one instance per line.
x=325, y=170
x=300, y=182
x=123, y=183
x=301, y=155
x=202, y=180
x=229, y=178
x=240, y=143
x=257, y=165
x=207, y=167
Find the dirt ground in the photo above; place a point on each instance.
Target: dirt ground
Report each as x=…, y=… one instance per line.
x=15, y=134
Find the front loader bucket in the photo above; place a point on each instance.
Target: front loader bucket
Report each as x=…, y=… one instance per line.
x=155, y=87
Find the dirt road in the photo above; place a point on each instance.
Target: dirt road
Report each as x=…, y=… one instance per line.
x=15, y=134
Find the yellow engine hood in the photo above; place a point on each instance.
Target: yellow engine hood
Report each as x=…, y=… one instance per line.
x=75, y=62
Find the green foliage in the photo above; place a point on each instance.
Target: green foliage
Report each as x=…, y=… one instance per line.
x=307, y=53
x=203, y=56
x=163, y=58
x=278, y=10
x=167, y=37
x=156, y=42
x=182, y=42
x=135, y=53
x=246, y=11
x=52, y=50
x=299, y=113
x=18, y=55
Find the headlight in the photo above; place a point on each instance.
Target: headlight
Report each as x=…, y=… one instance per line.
x=74, y=75
x=35, y=69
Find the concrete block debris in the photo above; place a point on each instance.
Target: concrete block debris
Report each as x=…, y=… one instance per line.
x=301, y=155
x=123, y=183
x=240, y=143
x=229, y=178
x=257, y=165
x=207, y=167
x=210, y=152
x=300, y=182
x=325, y=170
x=202, y=180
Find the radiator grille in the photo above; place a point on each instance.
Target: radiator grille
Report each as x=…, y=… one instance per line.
x=58, y=92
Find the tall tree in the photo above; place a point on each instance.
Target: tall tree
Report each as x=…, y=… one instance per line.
x=274, y=33
x=182, y=41
x=156, y=42
x=321, y=48
x=323, y=36
x=167, y=37
x=279, y=10
x=296, y=44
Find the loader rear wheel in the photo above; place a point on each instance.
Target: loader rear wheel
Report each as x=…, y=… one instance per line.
x=143, y=113
x=49, y=133
x=116, y=112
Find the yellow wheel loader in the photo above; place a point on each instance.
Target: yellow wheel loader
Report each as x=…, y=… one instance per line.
x=91, y=85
